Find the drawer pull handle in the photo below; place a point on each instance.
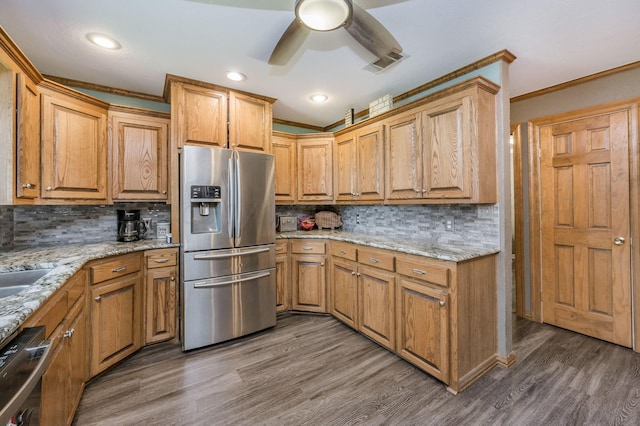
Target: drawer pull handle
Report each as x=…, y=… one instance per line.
x=161, y=260
x=373, y=260
x=419, y=271
x=279, y=248
x=342, y=252
x=442, y=302
x=119, y=269
x=97, y=299
x=307, y=248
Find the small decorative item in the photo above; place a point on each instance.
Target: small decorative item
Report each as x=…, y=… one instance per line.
x=348, y=117
x=307, y=223
x=328, y=220
x=380, y=105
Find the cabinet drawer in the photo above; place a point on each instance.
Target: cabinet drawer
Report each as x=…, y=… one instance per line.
x=307, y=247
x=282, y=247
x=161, y=258
x=344, y=250
x=51, y=314
x=114, y=268
x=376, y=258
x=415, y=269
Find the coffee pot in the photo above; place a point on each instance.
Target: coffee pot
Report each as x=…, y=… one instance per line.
x=130, y=227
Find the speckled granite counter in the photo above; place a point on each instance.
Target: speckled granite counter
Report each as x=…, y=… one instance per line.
x=65, y=261
x=450, y=252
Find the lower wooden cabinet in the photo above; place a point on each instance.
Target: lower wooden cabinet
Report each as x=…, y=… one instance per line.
x=64, y=318
x=422, y=327
x=283, y=277
x=116, y=307
x=160, y=306
x=344, y=291
x=376, y=295
x=309, y=276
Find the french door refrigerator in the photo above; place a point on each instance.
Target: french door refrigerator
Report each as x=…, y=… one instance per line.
x=228, y=284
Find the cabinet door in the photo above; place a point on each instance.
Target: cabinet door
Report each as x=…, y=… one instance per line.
x=139, y=157
x=160, y=305
x=74, y=149
x=315, y=171
x=284, y=152
x=202, y=117
x=54, y=402
x=115, y=321
x=344, y=292
x=27, y=138
x=309, y=283
x=422, y=328
x=447, y=145
x=78, y=362
x=345, y=166
x=283, y=284
x=249, y=123
x=404, y=158
x=376, y=292
x=370, y=164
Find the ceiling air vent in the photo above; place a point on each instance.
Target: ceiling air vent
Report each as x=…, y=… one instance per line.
x=382, y=64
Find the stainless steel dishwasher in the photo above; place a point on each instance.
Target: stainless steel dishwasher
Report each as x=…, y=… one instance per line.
x=23, y=361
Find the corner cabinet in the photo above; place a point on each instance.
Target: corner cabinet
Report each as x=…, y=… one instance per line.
x=74, y=145
x=139, y=144
x=116, y=307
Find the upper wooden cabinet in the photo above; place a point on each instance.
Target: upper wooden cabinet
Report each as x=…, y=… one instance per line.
x=315, y=167
x=138, y=156
x=283, y=147
x=205, y=113
x=27, y=138
x=359, y=165
x=249, y=123
x=74, y=145
x=445, y=150
x=201, y=115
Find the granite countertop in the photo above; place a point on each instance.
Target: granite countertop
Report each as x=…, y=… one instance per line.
x=65, y=261
x=420, y=247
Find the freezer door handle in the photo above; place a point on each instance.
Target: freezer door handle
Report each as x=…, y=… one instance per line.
x=228, y=255
x=230, y=201
x=209, y=284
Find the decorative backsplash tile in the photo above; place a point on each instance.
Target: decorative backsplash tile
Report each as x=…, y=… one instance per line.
x=77, y=224
x=414, y=221
x=6, y=226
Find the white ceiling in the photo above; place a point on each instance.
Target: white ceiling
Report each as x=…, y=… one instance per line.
x=554, y=40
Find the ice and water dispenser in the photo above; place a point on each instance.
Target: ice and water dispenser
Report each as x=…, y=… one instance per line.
x=206, y=206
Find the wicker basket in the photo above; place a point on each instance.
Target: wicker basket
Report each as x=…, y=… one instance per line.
x=328, y=220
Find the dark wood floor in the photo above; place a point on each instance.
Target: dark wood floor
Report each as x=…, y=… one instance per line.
x=314, y=370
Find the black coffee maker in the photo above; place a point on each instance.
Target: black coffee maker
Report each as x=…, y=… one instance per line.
x=130, y=227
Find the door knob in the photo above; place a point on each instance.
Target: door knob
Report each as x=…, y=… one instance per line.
x=618, y=241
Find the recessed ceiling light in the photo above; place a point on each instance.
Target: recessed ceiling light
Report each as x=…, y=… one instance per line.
x=103, y=41
x=319, y=98
x=236, y=76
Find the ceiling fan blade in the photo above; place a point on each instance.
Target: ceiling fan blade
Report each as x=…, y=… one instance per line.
x=289, y=43
x=370, y=33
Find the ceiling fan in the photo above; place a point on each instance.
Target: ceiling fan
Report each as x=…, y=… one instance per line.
x=329, y=15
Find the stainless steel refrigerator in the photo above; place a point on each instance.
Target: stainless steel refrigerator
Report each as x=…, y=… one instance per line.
x=227, y=223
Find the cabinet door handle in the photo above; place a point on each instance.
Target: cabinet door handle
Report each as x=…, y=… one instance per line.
x=279, y=248
x=442, y=302
x=49, y=188
x=164, y=192
x=342, y=252
x=161, y=260
x=358, y=274
x=353, y=272
x=97, y=299
x=418, y=190
x=373, y=260
x=419, y=271
x=29, y=185
x=424, y=190
x=322, y=264
x=119, y=269
x=67, y=334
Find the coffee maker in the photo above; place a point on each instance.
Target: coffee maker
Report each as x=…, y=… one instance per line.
x=130, y=227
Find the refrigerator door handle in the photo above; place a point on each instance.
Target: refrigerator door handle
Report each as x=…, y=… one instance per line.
x=230, y=195
x=238, y=206
x=208, y=284
x=227, y=255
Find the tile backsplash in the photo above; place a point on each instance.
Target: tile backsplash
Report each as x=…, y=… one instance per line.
x=67, y=224
x=415, y=221
x=6, y=226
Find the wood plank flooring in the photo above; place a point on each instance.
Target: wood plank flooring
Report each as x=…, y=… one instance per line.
x=312, y=370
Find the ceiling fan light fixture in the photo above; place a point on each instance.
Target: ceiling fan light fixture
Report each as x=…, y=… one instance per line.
x=323, y=15
x=103, y=41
